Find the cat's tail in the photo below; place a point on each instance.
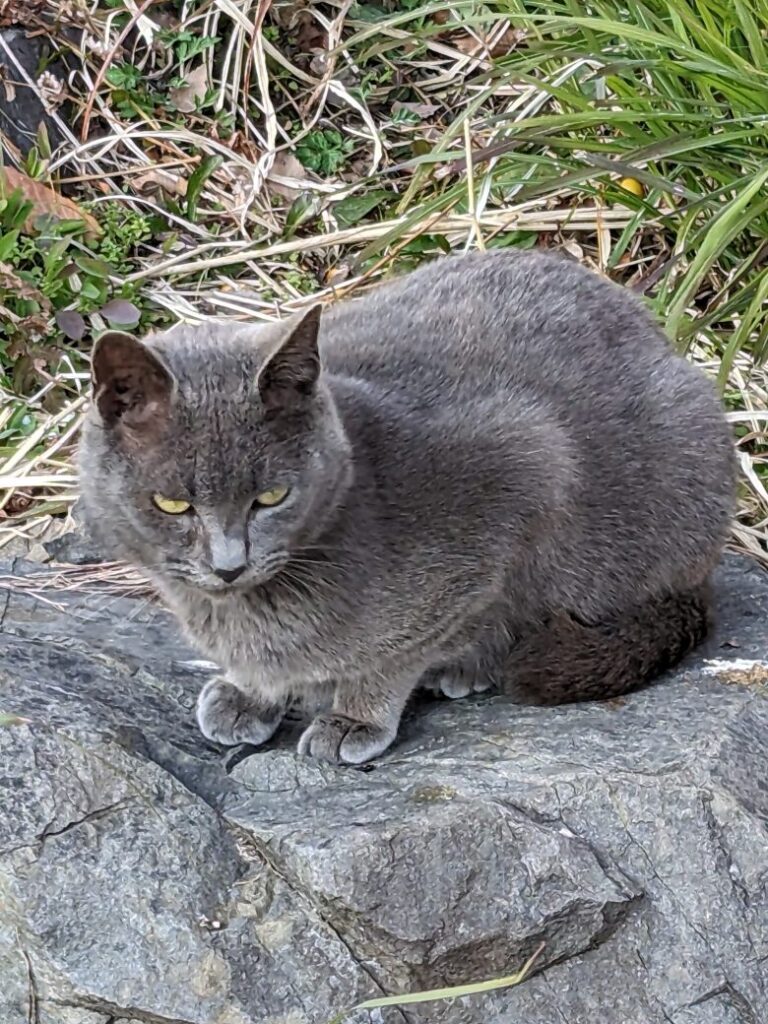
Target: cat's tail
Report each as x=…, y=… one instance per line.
x=570, y=660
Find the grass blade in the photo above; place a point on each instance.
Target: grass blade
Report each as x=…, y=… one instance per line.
x=453, y=992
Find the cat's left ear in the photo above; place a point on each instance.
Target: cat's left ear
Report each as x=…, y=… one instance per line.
x=292, y=370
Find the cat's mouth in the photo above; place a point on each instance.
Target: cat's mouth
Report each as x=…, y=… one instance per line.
x=202, y=578
x=250, y=580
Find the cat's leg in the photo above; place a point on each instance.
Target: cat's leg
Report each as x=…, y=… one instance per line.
x=228, y=715
x=363, y=721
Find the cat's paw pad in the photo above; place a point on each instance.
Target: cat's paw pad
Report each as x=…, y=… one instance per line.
x=342, y=740
x=454, y=683
x=228, y=716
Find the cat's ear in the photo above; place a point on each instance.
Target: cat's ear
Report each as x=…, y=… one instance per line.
x=132, y=388
x=291, y=371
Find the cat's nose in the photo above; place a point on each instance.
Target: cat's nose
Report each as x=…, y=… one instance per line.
x=228, y=553
x=230, y=575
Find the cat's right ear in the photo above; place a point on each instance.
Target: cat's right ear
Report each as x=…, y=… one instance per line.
x=132, y=388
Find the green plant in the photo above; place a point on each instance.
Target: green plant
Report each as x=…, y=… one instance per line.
x=324, y=151
x=186, y=45
x=124, y=229
x=55, y=286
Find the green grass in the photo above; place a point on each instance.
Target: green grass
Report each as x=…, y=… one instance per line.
x=444, y=994
x=241, y=175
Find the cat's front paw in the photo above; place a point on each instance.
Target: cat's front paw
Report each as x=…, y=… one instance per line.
x=343, y=740
x=228, y=716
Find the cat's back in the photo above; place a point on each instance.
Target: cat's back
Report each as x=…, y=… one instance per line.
x=492, y=322
x=480, y=352
x=524, y=328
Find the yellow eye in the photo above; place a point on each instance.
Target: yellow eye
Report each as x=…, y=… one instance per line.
x=173, y=506
x=272, y=497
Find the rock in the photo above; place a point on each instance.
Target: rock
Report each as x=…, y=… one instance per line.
x=147, y=876
x=21, y=112
x=74, y=545
x=73, y=548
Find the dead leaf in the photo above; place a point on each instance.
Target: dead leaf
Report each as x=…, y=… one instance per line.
x=18, y=12
x=241, y=144
x=18, y=502
x=157, y=180
x=572, y=247
x=45, y=202
x=11, y=282
x=8, y=85
x=310, y=36
x=286, y=165
x=336, y=275
x=195, y=87
x=422, y=110
x=286, y=16
x=35, y=327
x=489, y=44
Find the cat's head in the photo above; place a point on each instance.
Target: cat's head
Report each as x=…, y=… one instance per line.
x=211, y=455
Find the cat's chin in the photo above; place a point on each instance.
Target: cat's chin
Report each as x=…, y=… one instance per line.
x=191, y=584
x=219, y=589
x=216, y=588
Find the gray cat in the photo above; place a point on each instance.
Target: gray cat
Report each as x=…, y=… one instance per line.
x=493, y=471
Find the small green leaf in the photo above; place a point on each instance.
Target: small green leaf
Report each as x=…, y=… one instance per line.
x=8, y=244
x=126, y=76
x=43, y=142
x=350, y=211
x=169, y=242
x=94, y=290
x=303, y=208
x=197, y=181
x=97, y=268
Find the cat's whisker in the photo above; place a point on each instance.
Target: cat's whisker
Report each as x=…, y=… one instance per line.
x=309, y=572
x=312, y=585
x=293, y=586
x=312, y=564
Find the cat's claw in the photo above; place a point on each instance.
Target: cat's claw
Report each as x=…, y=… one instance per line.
x=342, y=740
x=228, y=716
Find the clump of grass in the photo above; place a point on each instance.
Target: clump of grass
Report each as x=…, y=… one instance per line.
x=262, y=159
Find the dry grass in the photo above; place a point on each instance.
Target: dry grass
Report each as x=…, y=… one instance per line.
x=114, y=577
x=460, y=125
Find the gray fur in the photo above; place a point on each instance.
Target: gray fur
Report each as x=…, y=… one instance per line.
x=495, y=444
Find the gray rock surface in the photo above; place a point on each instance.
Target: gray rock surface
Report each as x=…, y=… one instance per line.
x=21, y=111
x=146, y=876
x=74, y=548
